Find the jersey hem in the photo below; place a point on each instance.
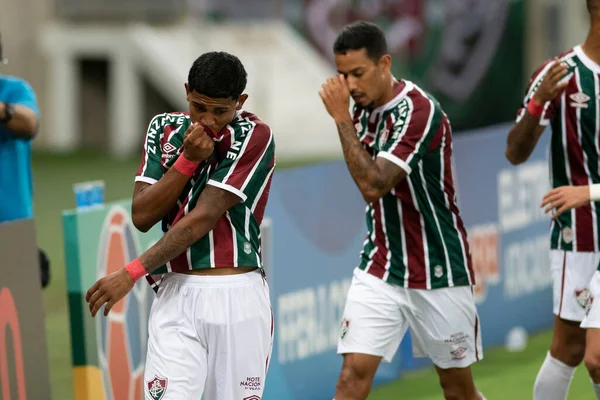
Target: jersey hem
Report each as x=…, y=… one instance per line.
x=229, y=188
x=390, y=157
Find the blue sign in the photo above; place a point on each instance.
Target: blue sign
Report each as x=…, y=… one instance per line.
x=317, y=231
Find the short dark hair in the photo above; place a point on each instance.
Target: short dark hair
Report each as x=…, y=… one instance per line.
x=593, y=5
x=219, y=75
x=361, y=35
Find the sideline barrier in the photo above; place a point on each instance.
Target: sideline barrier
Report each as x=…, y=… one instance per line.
x=311, y=242
x=23, y=354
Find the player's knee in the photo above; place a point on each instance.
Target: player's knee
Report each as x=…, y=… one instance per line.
x=570, y=353
x=592, y=363
x=354, y=380
x=452, y=390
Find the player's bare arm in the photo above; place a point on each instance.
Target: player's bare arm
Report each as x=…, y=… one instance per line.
x=212, y=204
x=566, y=198
x=524, y=136
x=23, y=123
x=374, y=178
x=152, y=202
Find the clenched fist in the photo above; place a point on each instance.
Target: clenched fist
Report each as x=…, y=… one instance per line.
x=197, y=144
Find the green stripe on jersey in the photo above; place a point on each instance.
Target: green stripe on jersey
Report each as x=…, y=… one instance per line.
x=449, y=232
x=396, y=239
x=560, y=177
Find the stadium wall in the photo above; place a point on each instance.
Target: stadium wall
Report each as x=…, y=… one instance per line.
x=312, y=242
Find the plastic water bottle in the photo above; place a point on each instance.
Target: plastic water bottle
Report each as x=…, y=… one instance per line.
x=89, y=194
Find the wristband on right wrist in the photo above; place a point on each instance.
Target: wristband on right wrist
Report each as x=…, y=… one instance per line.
x=135, y=269
x=185, y=166
x=535, y=109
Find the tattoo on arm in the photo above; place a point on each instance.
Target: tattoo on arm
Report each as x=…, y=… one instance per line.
x=172, y=244
x=370, y=176
x=362, y=167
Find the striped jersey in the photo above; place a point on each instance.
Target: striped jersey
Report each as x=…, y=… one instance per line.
x=574, y=117
x=242, y=163
x=416, y=237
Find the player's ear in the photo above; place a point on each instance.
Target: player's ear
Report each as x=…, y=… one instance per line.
x=240, y=102
x=187, y=91
x=385, y=62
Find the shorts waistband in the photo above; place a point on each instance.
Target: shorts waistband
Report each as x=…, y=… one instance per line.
x=245, y=279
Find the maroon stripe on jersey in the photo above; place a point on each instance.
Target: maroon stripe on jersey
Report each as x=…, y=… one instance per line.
x=379, y=259
x=437, y=139
x=449, y=189
x=255, y=148
x=419, y=117
x=223, y=243
x=411, y=221
x=261, y=204
x=583, y=215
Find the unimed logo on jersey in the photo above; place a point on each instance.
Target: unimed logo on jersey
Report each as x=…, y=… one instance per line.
x=122, y=335
x=9, y=323
x=484, y=244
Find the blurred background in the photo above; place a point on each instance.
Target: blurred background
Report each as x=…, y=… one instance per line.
x=102, y=69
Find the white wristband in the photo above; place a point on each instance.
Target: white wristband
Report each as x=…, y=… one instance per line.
x=595, y=192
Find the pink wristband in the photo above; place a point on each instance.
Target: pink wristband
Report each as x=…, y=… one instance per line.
x=185, y=166
x=534, y=109
x=136, y=269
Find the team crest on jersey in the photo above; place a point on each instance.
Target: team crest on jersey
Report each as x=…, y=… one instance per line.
x=383, y=136
x=157, y=387
x=344, y=327
x=567, y=234
x=579, y=100
x=253, y=397
x=584, y=299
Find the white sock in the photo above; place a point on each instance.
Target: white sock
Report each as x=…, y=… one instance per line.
x=596, y=387
x=553, y=380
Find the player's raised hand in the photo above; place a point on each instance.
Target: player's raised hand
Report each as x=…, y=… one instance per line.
x=109, y=290
x=336, y=97
x=197, y=144
x=551, y=85
x=565, y=198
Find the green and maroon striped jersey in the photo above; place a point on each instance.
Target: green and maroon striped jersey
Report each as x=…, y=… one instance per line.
x=574, y=117
x=416, y=237
x=242, y=163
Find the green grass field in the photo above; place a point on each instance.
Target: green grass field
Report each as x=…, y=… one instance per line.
x=500, y=376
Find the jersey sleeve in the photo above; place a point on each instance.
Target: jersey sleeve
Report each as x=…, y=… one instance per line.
x=412, y=133
x=150, y=169
x=243, y=172
x=24, y=95
x=534, y=83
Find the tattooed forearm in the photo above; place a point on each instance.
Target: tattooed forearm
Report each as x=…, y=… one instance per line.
x=362, y=167
x=172, y=244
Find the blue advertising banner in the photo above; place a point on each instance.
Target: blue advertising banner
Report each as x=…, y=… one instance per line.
x=312, y=236
x=317, y=231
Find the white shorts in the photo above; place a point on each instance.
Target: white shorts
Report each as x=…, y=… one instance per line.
x=211, y=336
x=571, y=276
x=444, y=322
x=592, y=319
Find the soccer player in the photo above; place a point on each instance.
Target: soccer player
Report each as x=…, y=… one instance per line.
x=207, y=176
x=564, y=93
x=415, y=267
